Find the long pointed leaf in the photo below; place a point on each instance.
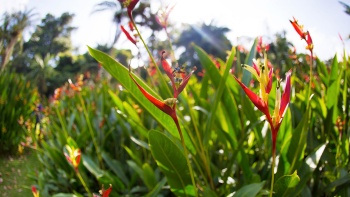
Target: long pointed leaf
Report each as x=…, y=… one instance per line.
x=172, y=162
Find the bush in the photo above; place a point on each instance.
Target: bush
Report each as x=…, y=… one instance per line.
x=18, y=102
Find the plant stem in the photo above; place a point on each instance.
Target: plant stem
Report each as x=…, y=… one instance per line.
x=83, y=182
x=186, y=154
x=151, y=56
x=61, y=121
x=273, y=171
x=310, y=78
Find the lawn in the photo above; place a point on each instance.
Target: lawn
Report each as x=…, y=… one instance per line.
x=14, y=170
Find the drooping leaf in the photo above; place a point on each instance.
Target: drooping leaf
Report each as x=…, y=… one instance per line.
x=172, y=162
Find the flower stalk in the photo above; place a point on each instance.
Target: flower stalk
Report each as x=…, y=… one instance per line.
x=305, y=35
x=263, y=73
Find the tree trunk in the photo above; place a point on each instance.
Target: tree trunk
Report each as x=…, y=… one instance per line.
x=8, y=52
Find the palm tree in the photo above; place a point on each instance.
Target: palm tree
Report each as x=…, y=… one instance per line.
x=11, y=32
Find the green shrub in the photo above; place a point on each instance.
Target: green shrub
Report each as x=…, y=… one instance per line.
x=18, y=102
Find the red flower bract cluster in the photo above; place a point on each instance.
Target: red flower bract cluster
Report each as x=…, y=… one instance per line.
x=305, y=35
x=130, y=5
x=263, y=73
x=178, y=82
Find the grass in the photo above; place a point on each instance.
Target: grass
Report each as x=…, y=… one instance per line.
x=14, y=170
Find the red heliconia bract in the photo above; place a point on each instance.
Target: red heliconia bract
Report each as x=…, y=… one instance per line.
x=177, y=77
x=34, y=191
x=127, y=34
x=298, y=28
x=130, y=5
x=303, y=35
x=261, y=101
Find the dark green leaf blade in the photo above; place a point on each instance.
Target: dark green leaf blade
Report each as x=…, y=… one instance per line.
x=172, y=162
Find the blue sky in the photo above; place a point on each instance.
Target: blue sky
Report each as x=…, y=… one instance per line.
x=325, y=19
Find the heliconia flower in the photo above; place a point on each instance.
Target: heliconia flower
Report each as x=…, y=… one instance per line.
x=73, y=156
x=178, y=80
x=130, y=5
x=310, y=45
x=177, y=76
x=162, y=105
x=163, y=15
x=303, y=35
x=130, y=38
x=57, y=94
x=105, y=193
x=298, y=28
x=282, y=101
x=261, y=102
x=263, y=73
x=256, y=100
x=74, y=86
x=261, y=47
x=131, y=26
x=34, y=191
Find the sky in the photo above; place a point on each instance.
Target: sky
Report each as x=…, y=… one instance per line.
x=325, y=20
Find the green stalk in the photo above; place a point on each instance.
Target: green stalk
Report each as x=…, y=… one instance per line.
x=83, y=182
x=186, y=154
x=91, y=130
x=151, y=56
x=310, y=78
x=273, y=171
x=64, y=128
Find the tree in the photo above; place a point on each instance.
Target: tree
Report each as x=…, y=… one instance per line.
x=209, y=37
x=41, y=71
x=52, y=36
x=346, y=6
x=11, y=33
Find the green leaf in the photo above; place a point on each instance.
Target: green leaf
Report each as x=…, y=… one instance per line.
x=172, y=162
x=118, y=102
x=208, y=192
x=121, y=73
x=249, y=190
x=343, y=181
x=134, y=156
x=308, y=167
x=218, y=95
x=227, y=99
x=131, y=112
x=116, y=167
x=298, y=142
x=66, y=195
x=284, y=183
x=334, y=84
x=157, y=188
x=149, y=176
x=103, y=177
x=72, y=143
x=249, y=61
